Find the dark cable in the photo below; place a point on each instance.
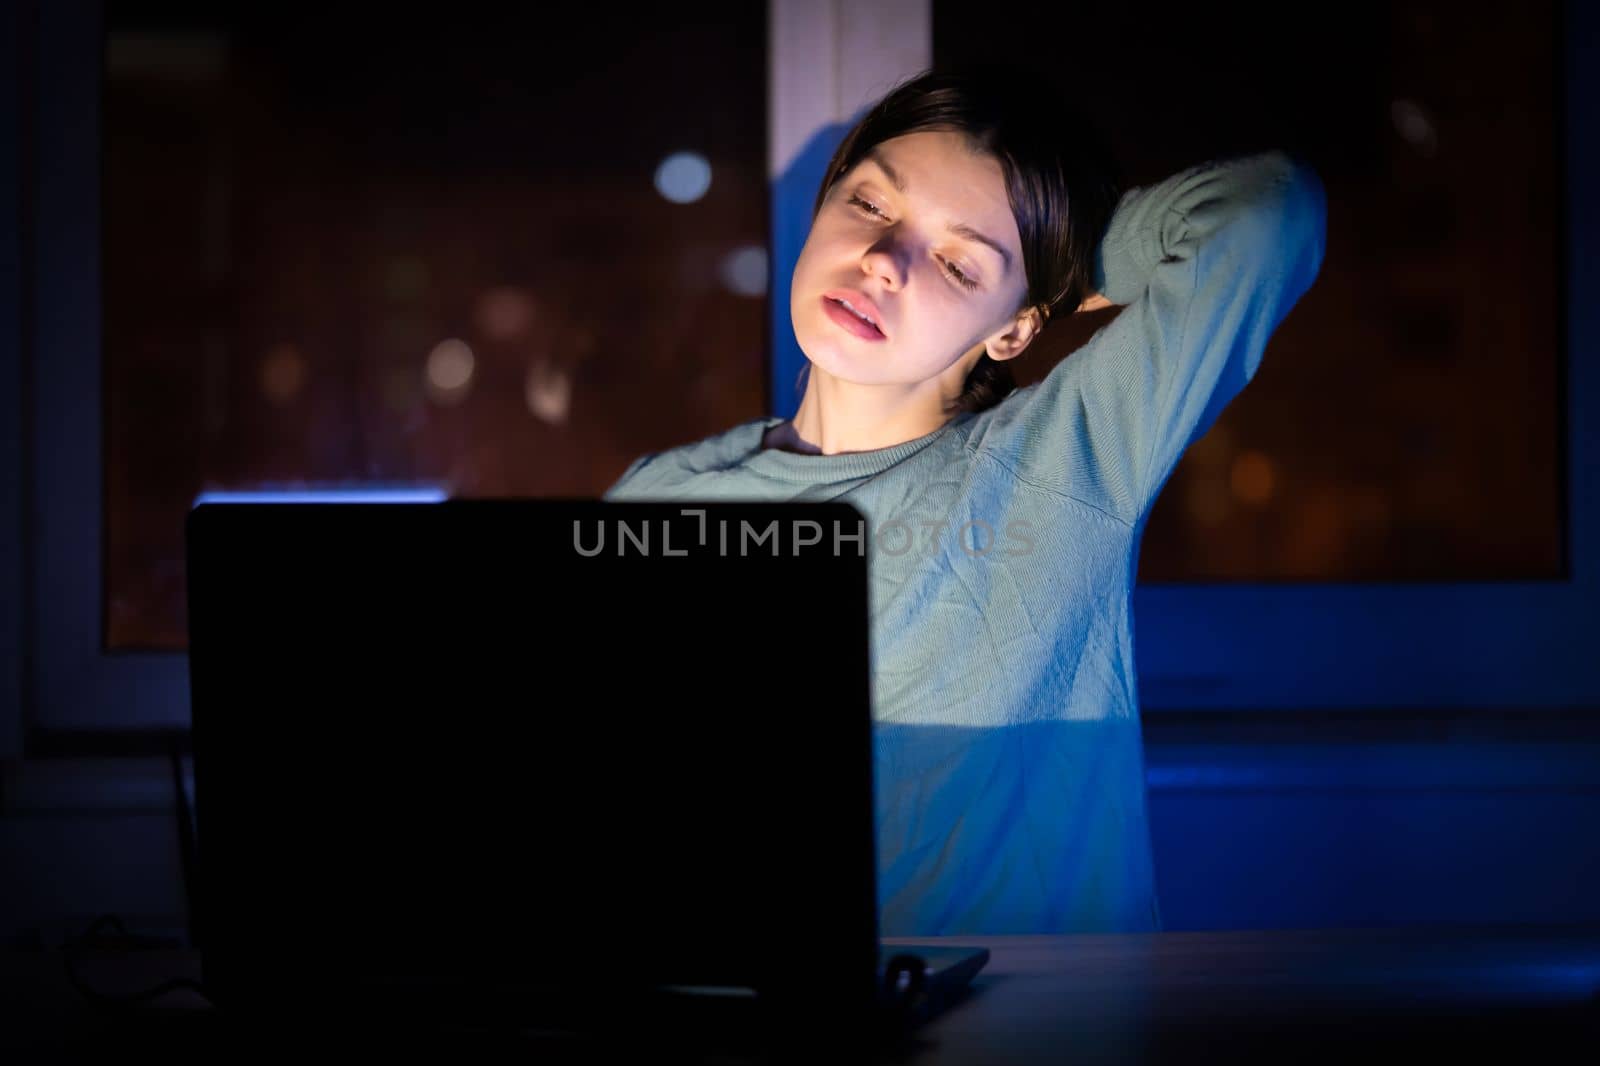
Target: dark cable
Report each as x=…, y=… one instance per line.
x=905, y=999
x=124, y=941
x=186, y=848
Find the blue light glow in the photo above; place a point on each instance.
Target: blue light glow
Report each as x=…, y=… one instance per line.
x=433, y=495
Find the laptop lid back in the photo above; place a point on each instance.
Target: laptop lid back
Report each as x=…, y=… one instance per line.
x=587, y=748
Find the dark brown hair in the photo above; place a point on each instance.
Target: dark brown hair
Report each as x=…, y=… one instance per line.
x=1061, y=180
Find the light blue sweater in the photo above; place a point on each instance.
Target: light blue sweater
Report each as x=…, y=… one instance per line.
x=1002, y=550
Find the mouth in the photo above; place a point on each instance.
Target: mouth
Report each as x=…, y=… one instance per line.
x=841, y=310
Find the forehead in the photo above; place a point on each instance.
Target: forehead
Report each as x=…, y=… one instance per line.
x=943, y=174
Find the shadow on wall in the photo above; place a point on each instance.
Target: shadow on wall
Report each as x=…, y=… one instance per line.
x=792, y=196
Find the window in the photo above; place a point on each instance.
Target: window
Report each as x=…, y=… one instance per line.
x=477, y=253
x=1405, y=424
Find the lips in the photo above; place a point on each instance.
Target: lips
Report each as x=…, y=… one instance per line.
x=833, y=302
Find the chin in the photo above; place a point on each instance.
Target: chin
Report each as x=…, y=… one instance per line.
x=828, y=354
x=831, y=350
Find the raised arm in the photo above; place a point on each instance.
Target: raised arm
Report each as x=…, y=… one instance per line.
x=1208, y=262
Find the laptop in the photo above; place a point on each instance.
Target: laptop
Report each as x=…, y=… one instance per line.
x=551, y=765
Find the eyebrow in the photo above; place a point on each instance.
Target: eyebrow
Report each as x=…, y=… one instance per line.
x=960, y=229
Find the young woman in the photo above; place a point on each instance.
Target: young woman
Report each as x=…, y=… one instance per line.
x=962, y=214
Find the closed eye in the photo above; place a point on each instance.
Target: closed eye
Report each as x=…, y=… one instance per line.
x=869, y=208
x=956, y=272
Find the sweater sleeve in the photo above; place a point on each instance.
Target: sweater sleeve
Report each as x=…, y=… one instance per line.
x=1207, y=262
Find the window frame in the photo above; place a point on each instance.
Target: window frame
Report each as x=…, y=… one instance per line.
x=75, y=685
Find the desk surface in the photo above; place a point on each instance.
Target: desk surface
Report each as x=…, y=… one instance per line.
x=1474, y=994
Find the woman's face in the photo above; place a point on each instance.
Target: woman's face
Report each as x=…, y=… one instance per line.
x=920, y=236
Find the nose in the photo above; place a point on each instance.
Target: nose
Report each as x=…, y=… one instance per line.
x=881, y=262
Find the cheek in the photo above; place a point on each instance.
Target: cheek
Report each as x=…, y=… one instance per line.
x=822, y=243
x=939, y=328
x=965, y=322
x=805, y=265
x=957, y=314
x=813, y=262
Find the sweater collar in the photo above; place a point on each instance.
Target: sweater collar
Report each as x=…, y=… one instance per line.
x=821, y=469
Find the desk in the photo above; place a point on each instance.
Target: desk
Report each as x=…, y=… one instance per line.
x=1282, y=996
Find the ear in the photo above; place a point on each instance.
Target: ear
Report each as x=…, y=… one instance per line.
x=1015, y=336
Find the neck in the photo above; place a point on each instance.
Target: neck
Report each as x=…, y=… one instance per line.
x=837, y=416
